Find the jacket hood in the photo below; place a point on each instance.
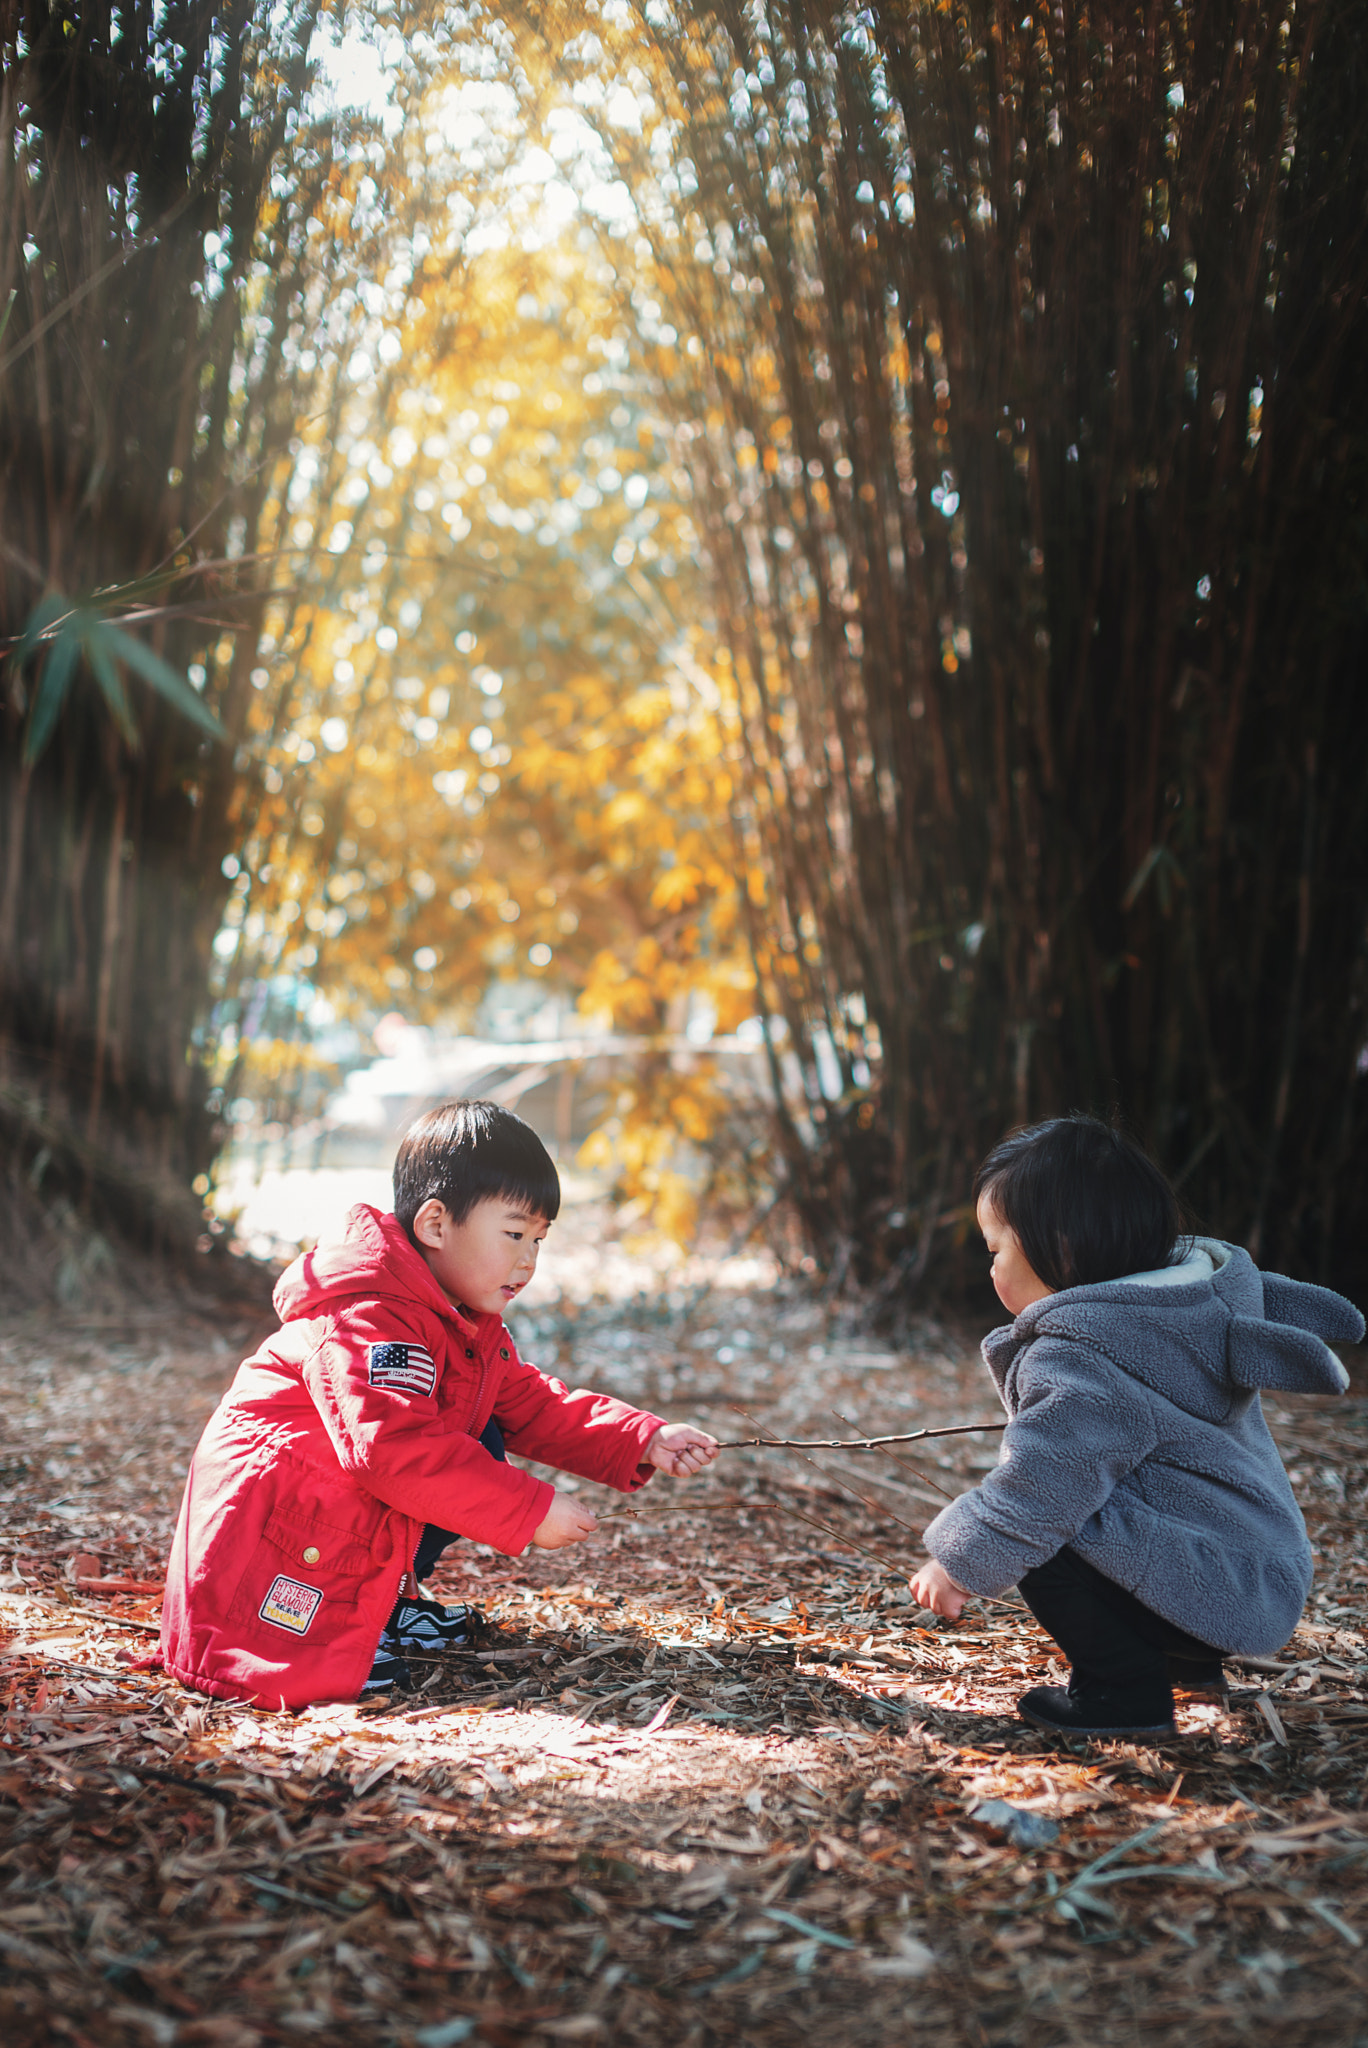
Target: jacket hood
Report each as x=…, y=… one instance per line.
x=1201, y=1330
x=373, y=1258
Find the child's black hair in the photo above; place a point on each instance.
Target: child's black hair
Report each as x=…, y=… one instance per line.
x=463, y=1153
x=1087, y=1204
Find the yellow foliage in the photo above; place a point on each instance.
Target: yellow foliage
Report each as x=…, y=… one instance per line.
x=677, y=886
x=674, y=1208
x=488, y=717
x=692, y=1116
x=651, y=1144
x=596, y=1154
x=627, y=809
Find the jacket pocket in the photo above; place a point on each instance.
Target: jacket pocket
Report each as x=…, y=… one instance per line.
x=304, y=1578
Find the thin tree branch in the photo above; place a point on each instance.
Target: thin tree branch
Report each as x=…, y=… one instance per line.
x=903, y=1464
x=784, y=1507
x=865, y=1443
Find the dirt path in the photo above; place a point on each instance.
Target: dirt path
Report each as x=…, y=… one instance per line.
x=710, y=1780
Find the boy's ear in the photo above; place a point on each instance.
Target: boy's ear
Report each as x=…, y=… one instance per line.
x=429, y=1221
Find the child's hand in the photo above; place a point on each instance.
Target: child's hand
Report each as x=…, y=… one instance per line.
x=681, y=1450
x=933, y=1587
x=565, y=1521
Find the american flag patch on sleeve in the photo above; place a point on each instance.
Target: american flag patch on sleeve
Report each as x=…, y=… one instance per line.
x=401, y=1368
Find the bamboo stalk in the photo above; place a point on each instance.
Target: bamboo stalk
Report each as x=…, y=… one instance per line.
x=109, y=943
x=1080, y=350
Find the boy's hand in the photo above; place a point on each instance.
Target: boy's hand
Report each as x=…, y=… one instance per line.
x=933, y=1587
x=681, y=1450
x=565, y=1521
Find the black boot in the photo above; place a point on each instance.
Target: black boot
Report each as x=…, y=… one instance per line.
x=1199, y=1677
x=1089, y=1711
x=1123, y=1657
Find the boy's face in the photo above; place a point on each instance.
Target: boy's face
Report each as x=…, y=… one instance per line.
x=486, y=1261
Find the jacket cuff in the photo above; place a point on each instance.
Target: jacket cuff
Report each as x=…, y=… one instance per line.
x=532, y=1517
x=951, y=1543
x=633, y=1475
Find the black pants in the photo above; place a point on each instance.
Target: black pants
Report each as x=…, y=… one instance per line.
x=433, y=1540
x=1116, y=1645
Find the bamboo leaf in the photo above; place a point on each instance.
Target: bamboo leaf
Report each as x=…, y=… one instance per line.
x=1140, y=877
x=808, y=1927
x=106, y=673
x=1167, y=874
x=58, y=670
x=79, y=633
x=137, y=589
x=40, y=620
x=164, y=679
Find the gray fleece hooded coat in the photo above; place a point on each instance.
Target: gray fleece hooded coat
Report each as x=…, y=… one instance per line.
x=1136, y=1436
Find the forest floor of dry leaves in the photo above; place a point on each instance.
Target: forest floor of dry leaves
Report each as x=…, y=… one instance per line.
x=709, y=1778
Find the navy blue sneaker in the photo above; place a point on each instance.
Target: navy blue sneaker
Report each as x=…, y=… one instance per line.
x=427, y=1628
x=418, y=1628
x=387, y=1674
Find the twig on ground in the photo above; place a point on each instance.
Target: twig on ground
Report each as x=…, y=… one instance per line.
x=786, y=1508
x=64, y=1609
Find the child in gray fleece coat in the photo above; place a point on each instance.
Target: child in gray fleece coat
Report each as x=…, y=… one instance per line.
x=1139, y=1503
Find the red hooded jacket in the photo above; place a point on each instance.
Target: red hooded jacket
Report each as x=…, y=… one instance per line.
x=349, y=1429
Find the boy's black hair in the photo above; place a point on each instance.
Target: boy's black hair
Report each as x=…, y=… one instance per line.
x=1087, y=1204
x=463, y=1153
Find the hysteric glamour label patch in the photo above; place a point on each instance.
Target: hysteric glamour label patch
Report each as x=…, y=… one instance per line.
x=401, y=1368
x=291, y=1605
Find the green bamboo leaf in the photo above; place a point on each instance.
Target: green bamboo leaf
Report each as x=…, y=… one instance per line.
x=53, y=685
x=83, y=632
x=139, y=588
x=106, y=673
x=44, y=615
x=1141, y=876
x=164, y=679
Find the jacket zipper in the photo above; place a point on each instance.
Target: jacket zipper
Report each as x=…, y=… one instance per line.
x=407, y=1588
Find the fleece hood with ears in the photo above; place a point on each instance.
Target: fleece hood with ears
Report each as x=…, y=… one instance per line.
x=1136, y=1436
x=352, y=1427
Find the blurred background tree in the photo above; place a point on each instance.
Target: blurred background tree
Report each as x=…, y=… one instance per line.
x=136, y=165
x=846, y=519
x=1029, y=448
x=250, y=391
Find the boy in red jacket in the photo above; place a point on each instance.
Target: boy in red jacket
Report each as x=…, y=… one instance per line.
x=369, y=1432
